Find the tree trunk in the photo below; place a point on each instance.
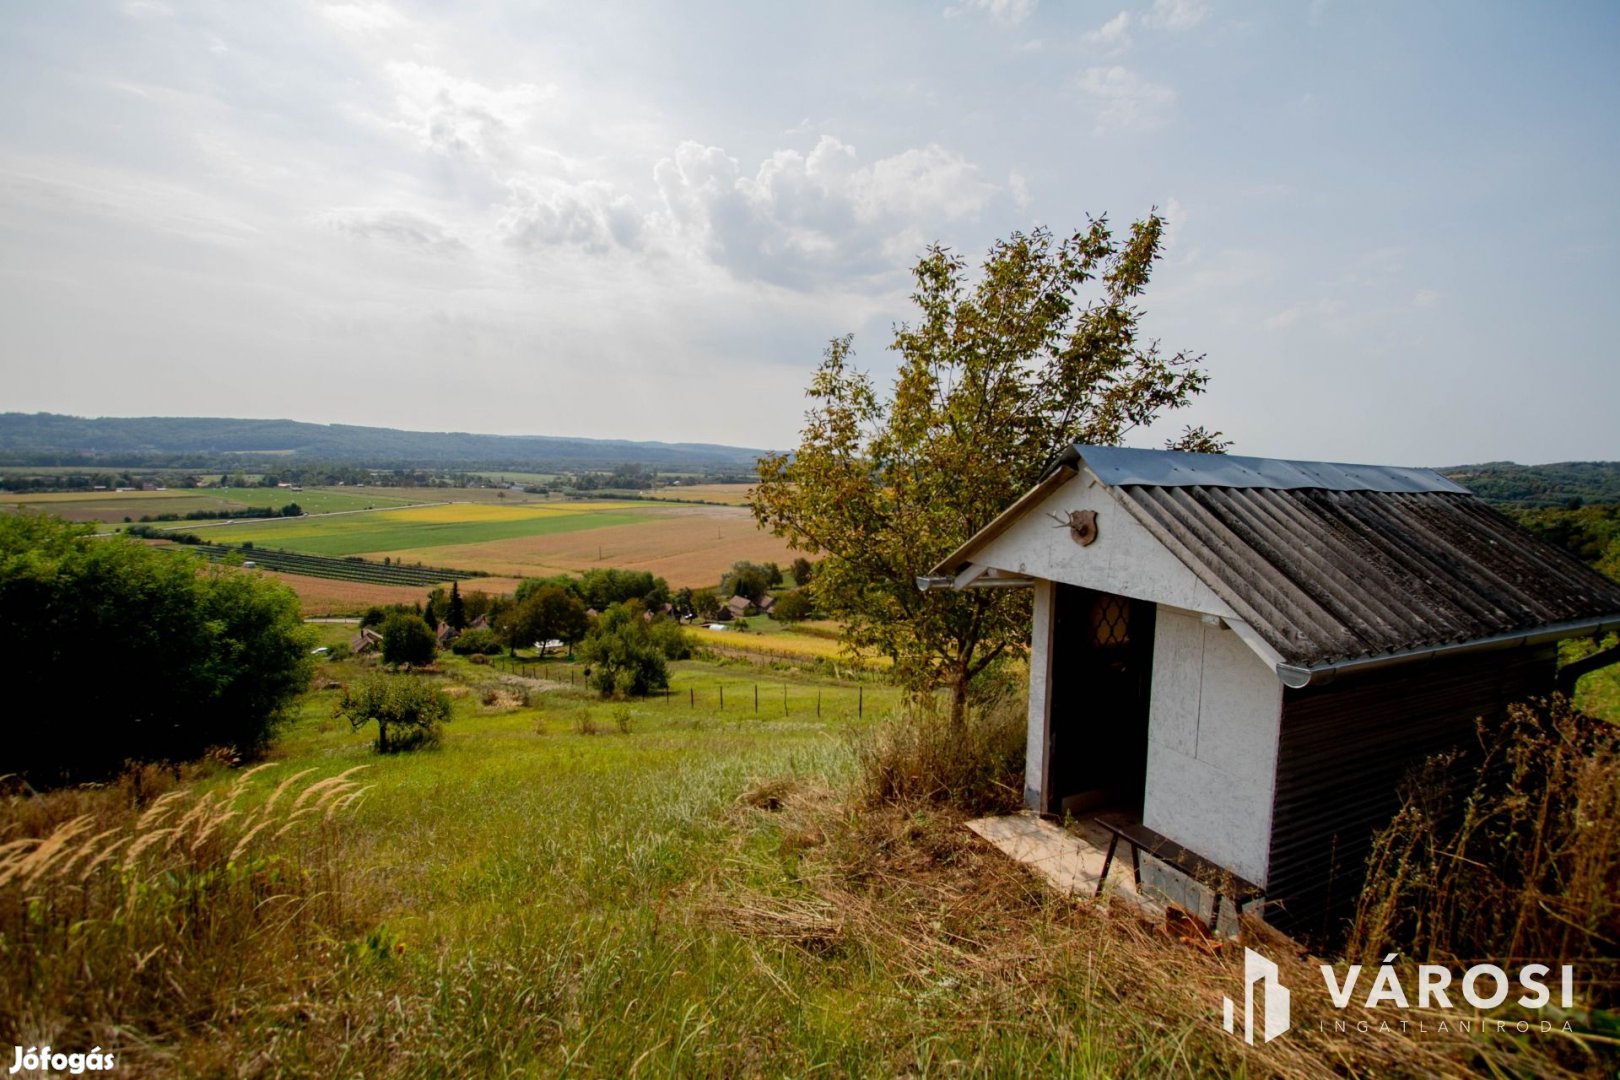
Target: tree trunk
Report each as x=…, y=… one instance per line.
x=959, y=693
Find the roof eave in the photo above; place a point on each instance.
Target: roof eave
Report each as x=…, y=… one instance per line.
x=1296, y=677
x=952, y=564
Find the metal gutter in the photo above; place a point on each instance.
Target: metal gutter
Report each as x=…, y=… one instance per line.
x=1296, y=678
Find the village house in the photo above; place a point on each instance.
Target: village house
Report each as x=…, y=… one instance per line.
x=1236, y=660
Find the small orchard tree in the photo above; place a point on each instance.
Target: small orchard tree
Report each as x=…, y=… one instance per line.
x=996, y=377
x=406, y=639
x=409, y=711
x=623, y=655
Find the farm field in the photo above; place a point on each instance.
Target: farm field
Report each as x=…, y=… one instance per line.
x=324, y=597
x=730, y=494
x=114, y=506
x=687, y=545
x=424, y=527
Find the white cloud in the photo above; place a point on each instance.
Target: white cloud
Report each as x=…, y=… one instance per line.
x=364, y=17
x=403, y=227
x=1111, y=38
x=1123, y=100
x=1018, y=187
x=802, y=218
x=456, y=116
x=147, y=9
x=1425, y=298
x=1010, y=12
x=1324, y=314
x=1176, y=15
x=592, y=216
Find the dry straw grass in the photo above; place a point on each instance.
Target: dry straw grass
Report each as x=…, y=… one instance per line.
x=163, y=917
x=1091, y=988
x=1516, y=856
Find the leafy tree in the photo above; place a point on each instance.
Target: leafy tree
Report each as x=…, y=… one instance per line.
x=706, y=603
x=802, y=569
x=996, y=377
x=155, y=655
x=546, y=613
x=793, y=606
x=409, y=711
x=406, y=639
x=752, y=580
x=623, y=655
x=456, y=615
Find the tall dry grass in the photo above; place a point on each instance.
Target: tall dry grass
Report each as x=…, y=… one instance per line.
x=128, y=924
x=1511, y=856
x=920, y=756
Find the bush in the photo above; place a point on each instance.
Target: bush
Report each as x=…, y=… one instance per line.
x=481, y=641
x=920, y=756
x=406, y=639
x=793, y=606
x=162, y=654
x=624, y=657
x=409, y=711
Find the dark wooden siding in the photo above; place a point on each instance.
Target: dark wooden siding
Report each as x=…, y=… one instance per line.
x=1342, y=752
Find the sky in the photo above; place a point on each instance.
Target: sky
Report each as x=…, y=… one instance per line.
x=1393, y=229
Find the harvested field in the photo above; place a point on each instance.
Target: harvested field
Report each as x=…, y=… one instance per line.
x=322, y=596
x=687, y=545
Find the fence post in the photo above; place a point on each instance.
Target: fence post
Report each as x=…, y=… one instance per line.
x=722, y=697
x=784, y=699
x=818, y=702
x=860, y=701
x=692, y=696
x=756, y=698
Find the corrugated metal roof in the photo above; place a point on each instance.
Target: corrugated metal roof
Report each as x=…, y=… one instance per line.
x=1325, y=575
x=1117, y=466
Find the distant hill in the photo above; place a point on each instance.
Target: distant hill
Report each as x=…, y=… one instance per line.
x=1540, y=485
x=54, y=439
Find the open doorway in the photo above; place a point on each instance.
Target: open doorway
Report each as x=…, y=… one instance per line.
x=1102, y=674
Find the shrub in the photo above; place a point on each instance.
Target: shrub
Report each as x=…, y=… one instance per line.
x=481, y=641
x=409, y=711
x=180, y=655
x=792, y=606
x=406, y=639
x=921, y=756
x=624, y=658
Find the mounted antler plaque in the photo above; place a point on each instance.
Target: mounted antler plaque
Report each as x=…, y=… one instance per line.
x=1082, y=525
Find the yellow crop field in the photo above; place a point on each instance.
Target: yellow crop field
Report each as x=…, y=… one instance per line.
x=730, y=494
x=474, y=513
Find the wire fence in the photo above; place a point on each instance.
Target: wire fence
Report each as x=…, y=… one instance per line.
x=718, y=693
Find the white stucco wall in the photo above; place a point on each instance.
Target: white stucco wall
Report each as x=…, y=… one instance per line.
x=1124, y=558
x=1212, y=743
x=1040, y=694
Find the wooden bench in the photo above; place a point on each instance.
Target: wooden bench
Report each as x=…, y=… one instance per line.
x=1216, y=878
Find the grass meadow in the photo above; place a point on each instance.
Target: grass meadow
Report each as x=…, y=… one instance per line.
x=423, y=527
x=573, y=886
